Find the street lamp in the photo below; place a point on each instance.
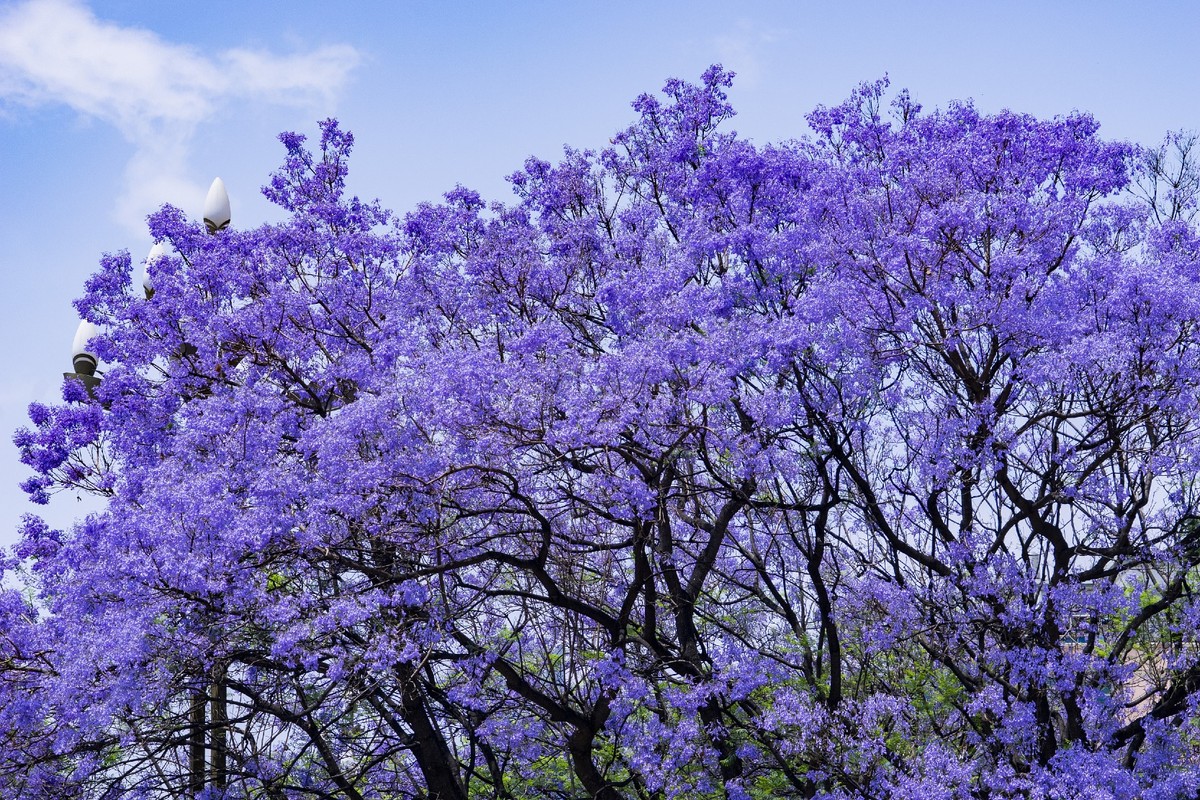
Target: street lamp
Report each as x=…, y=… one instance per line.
x=156, y=252
x=216, y=207
x=82, y=357
x=216, y=218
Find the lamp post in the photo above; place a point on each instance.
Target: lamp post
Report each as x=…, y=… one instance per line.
x=214, y=698
x=216, y=218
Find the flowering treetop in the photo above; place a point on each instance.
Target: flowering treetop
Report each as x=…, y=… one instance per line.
x=854, y=466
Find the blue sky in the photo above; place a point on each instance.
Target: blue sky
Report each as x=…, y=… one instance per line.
x=109, y=109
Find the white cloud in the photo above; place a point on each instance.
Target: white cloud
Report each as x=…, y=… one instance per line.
x=740, y=49
x=153, y=91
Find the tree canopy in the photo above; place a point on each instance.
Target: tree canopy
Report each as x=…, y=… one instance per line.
x=856, y=466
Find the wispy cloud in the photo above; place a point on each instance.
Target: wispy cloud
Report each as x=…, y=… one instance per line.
x=155, y=92
x=741, y=48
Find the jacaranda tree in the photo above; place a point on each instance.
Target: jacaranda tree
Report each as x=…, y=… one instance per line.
x=859, y=466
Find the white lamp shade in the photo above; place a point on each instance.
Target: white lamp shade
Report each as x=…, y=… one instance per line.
x=82, y=356
x=83, y=334
x=216, y=207
x=156, y=252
